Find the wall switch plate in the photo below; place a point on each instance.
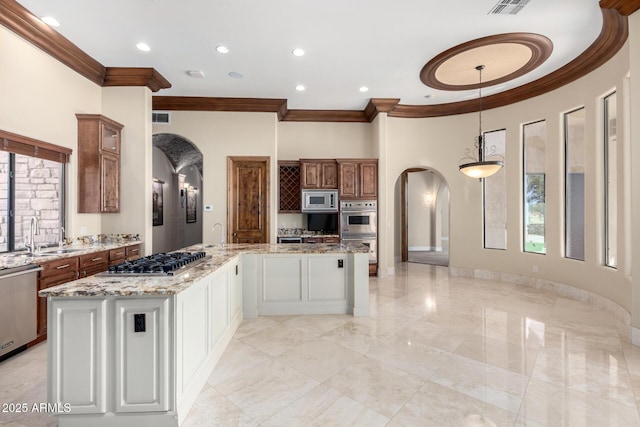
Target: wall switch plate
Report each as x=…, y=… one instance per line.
x=340, y=263
x=208, y=208
x=139, y=322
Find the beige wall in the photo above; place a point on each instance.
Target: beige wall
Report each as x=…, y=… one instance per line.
x=439, y=143
x=131, y=106
x=39, y=98
x=218, y=135
x=633, y=138
x=324, y=140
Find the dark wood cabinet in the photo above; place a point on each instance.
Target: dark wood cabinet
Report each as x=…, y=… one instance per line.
x=321, y=239
x=93, y=263
x=132, y=252
x=53, y=273
x=318, y=174
x=289, y=186
x=357, y=179
x=98, y=164
x=116, y=256
x=331, y=240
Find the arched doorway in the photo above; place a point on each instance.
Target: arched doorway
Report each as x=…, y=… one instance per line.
x=178, y=189
x=424, y=217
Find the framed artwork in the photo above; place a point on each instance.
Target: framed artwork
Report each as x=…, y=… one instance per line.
x=157, y=202
x=191, y=205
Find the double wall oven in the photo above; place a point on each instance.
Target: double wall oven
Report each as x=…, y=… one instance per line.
x=358, y=223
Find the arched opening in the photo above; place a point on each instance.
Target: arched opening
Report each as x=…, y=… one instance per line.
x=177, y=193
x=424, y=201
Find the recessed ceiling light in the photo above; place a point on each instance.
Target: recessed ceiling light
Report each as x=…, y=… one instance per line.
x=50, y=21
x=363, y=89
x=236, y=75
x=300, y=88
x=222, y=49
x=298, y=52
x=196, y=74
x=143, y=47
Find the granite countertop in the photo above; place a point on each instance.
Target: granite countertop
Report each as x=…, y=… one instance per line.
x=21, y=258
x=172, y=285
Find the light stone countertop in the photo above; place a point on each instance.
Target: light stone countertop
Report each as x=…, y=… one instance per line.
x=22, y=258
x=118, y=285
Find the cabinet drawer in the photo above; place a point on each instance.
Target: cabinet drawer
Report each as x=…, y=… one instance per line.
x=331, y=240
x=59, y=266
x=91, y=264
x=312, y=240
x=133, y=252
x=116, y=256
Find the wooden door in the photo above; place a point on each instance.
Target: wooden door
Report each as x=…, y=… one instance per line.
x=248, y=199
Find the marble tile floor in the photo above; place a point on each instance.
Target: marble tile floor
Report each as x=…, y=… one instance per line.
x=437, y=351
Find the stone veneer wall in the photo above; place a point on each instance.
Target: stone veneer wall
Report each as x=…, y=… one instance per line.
x=38, y=192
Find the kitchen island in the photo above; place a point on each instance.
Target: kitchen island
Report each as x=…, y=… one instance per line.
x=138, y=350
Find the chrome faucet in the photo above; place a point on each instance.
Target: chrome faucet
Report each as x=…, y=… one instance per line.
x=213, y=229
x=34, y=230
x=61, y=241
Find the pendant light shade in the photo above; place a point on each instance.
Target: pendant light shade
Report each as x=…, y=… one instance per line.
x=480, y=166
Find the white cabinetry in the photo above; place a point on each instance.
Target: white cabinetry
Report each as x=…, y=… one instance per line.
x=303, y=284
x=78, y=367
x=142, y=355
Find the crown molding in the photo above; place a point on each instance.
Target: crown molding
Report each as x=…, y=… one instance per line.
x=26, y=25
x=149, y=77
x=611, y=39
x=22, y=22
x=201, y=103
x=624, y=7
x=352, y=116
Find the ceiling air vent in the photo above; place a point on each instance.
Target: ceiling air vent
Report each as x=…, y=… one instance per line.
x=508, y=7
x=159, y=117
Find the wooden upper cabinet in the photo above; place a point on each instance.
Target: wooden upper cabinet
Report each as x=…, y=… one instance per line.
x=289, y=186
x=358, y=178
x=318, y=174
x=98, y=164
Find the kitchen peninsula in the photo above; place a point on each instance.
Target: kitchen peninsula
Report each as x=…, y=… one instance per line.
x=138, y=350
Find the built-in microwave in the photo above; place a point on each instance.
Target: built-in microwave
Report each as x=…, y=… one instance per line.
x=319, y=200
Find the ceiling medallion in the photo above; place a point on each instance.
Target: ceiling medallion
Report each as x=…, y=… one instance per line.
x=508, y=56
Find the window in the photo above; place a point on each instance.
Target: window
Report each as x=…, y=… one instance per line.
x=495, y=195
x=31, y=184
x=574, y=184
x=534, y=137
x=611, y=181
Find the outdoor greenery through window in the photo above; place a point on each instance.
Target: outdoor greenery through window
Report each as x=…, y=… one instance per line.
x=534, y=137
x=611, y=181
x=574, y=184
x=495, y=196
x=29, y=187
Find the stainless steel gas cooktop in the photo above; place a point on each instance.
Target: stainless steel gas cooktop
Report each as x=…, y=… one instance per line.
x=160, y=264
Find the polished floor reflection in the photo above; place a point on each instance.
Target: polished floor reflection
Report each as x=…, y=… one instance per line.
x=437, y=351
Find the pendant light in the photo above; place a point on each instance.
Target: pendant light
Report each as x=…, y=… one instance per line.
x=480, y=167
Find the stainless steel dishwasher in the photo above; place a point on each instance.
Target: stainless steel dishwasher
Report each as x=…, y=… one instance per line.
x=18, y=287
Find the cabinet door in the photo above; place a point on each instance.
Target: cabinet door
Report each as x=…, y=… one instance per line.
x=310, y=175
x=368, y=180
x=110, y=183
x=77, y=367
x=347, y=181
x=219, y=293
x=41, y=302
x=110, y=142
x=329, y=175
x=142, y=355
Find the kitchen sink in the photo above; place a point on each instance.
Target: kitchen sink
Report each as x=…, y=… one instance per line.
x=58, y=251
